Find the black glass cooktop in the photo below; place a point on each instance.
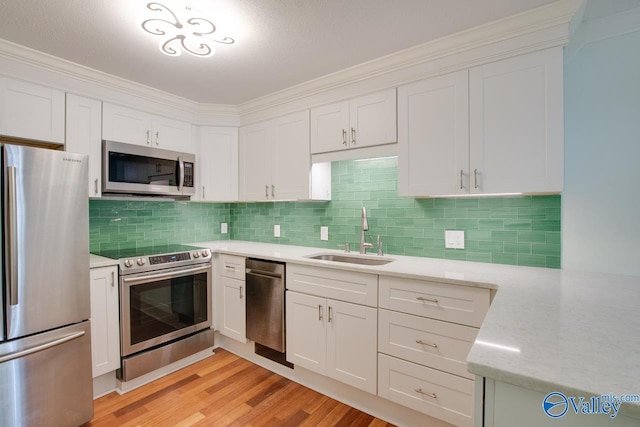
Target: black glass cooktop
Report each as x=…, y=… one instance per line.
x=144, y=251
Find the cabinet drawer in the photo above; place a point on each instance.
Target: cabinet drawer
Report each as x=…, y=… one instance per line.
x=349, y=286
x=440, y=395
x=439, y=345
x=232, y=266
x=443, y=301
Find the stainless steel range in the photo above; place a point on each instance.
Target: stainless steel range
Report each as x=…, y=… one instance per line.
x=165, y=306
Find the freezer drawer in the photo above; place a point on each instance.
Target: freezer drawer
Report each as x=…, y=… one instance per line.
x=45, y=379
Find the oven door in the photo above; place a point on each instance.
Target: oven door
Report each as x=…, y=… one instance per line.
x=136, y=169
x=160, y=306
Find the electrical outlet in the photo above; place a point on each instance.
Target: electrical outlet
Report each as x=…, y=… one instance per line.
x=224, y=228
x=276, y=230
x=324, y=233
x=454, y=239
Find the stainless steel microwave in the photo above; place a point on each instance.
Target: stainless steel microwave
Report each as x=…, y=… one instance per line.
x=137, y=169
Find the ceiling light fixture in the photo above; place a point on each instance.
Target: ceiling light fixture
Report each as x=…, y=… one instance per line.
x=182, y=31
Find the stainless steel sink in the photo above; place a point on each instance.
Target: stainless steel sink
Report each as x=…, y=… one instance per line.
x=352, y=259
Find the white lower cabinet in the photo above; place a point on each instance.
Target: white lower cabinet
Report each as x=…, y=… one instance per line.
x=333, y=338
x=433, y=392
x=232, y=307
x=105, y=320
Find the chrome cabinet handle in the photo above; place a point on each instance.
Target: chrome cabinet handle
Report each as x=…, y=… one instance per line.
x=203, y=192
x=273, y=191
x=330, y=315
x=353, y=136
x=426, y=343
x=95, y=185
x=344, y=137
x=157, y=138
x=113, y=279
x=475, y=178
x=11, y=237
x=240, y=292
x=433, y=395
x=433, y=300
x=229, y=267
x=319, y=312
x=461, y=175
x=148, y=137
x=266, y=191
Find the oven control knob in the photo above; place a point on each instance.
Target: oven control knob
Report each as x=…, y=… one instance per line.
x=141, y=261
x=205, y=253
x=128, y=263
x=196, y=254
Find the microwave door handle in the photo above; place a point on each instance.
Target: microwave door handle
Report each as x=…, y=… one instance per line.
x=181, y=173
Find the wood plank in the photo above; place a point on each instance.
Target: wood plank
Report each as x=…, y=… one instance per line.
x=225, y=390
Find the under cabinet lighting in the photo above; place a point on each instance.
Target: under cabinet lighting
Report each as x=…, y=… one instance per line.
x=182, y=29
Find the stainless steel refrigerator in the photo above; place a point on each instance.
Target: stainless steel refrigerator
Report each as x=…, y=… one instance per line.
x=45, y=344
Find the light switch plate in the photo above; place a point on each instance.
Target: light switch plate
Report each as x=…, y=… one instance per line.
x=454, y=239
x=324, y=233
x=224, y=228
x=276, y=230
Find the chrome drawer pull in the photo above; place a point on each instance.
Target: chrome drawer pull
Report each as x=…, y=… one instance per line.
x=319, y=312
x=426, y=343
x=433, y=300
x=432, y=395
x=228, y=267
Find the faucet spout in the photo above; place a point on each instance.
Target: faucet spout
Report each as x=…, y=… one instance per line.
x=365, y=227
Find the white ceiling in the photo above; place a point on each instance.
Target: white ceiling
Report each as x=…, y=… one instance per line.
x=279, y=43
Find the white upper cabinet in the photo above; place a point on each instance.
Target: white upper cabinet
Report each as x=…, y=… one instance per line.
x=137, y=127
x=359, y=122
x=433, y=136
x=274, y=160
x=31, y=111
x=83, y=135
x=517, y=129
x=218, y=163
x=496, y=128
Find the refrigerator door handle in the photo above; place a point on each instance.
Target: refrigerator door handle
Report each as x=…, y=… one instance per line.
x=37, y=348
x=11, y=243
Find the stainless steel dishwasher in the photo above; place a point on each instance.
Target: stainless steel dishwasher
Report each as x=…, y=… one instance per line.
x=265, y=305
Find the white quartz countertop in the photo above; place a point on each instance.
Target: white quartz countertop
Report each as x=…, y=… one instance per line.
x=546, y=330
x=96, y=261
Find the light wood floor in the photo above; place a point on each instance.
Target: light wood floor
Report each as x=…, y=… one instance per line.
x=225, y=390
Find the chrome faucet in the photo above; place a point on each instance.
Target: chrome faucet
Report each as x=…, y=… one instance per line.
x=365, y=227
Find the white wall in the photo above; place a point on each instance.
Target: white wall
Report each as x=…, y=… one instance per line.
x=601, y=200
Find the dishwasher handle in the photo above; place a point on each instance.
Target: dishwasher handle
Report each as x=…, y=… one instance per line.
x=261, y=273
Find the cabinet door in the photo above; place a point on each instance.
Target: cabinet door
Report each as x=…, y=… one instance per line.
x=31, y=111
x=105, y=320
x=83, y=135
x=330, y=127
x=255, y=162
x=516, y=135
x=373, y=119
x=233, y=320
x=171, y=134
x=291, y=159
x=352, y=344
x=433, y=136
x=126, y=125
x=306, y=331
x=218, y=163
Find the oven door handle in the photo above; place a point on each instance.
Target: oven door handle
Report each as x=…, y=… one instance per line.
x=167, y=275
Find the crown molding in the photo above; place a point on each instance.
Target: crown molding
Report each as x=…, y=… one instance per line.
x=87, y=81
x=542, y=22
x=600, y=29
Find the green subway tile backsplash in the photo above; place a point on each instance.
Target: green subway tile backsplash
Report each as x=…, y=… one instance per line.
x=116, y=224
x=518, y=230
